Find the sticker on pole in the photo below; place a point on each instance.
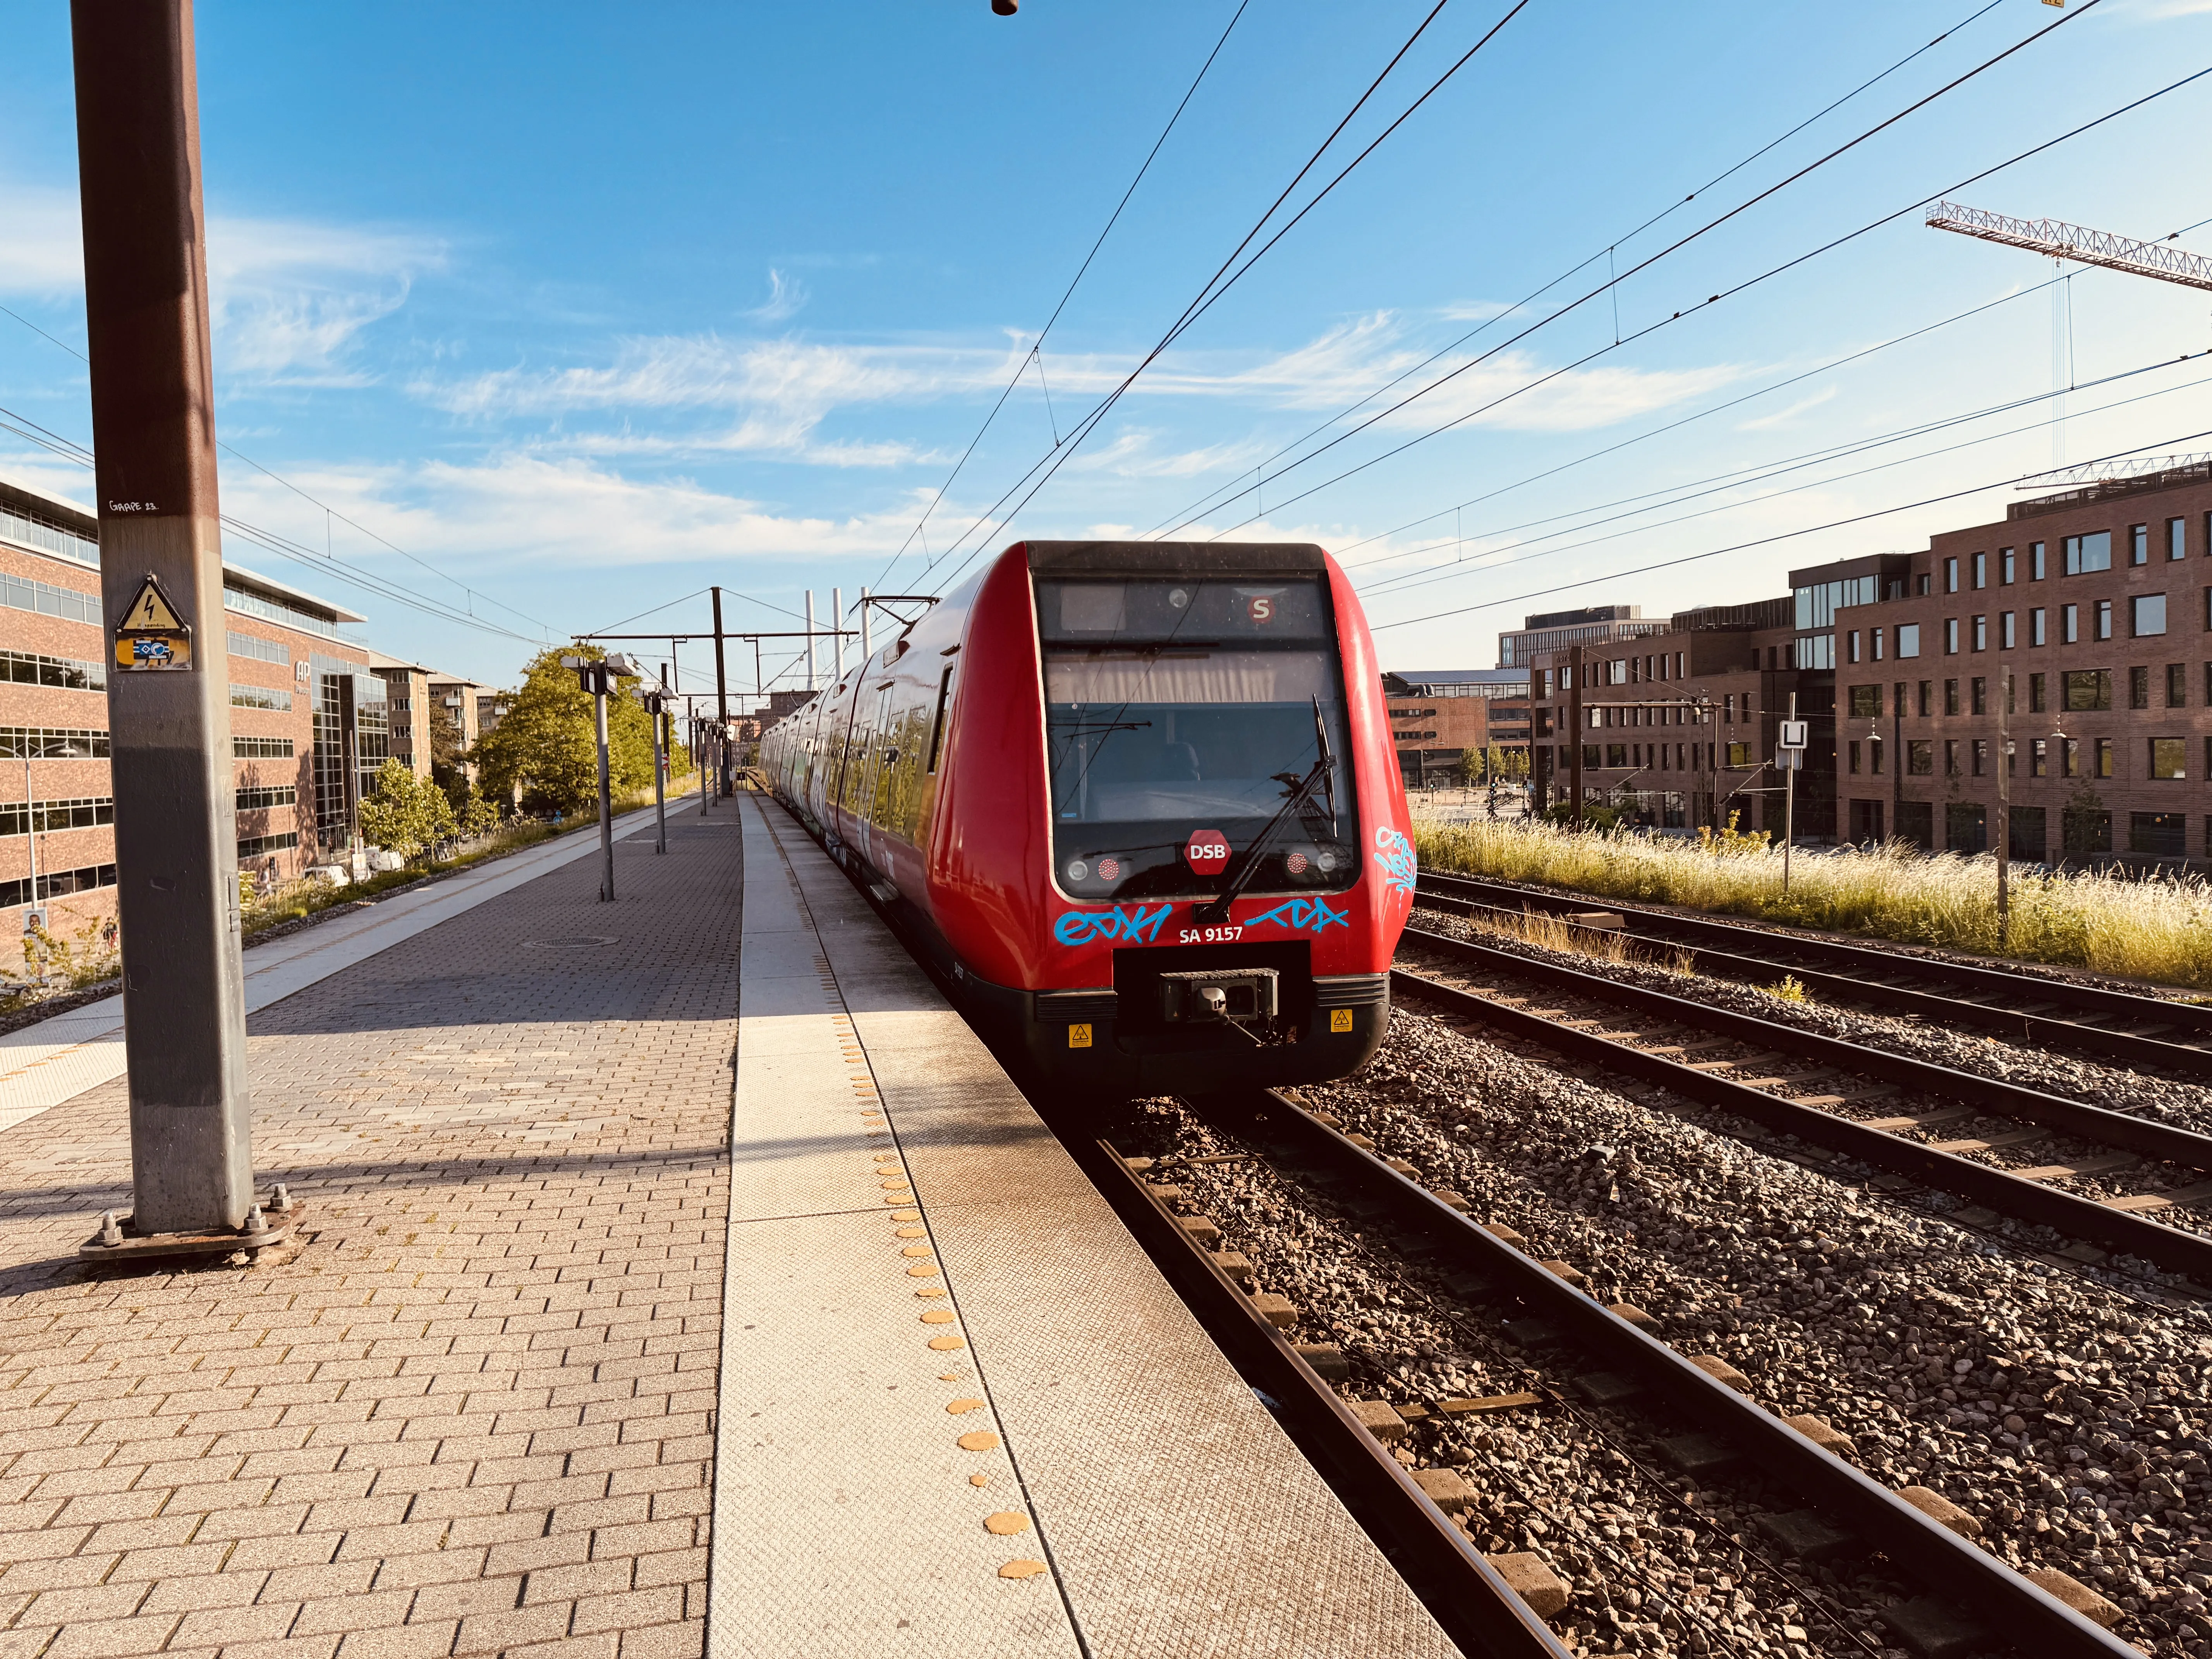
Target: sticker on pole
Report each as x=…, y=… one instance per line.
x=1206, y=852
x=151, y=634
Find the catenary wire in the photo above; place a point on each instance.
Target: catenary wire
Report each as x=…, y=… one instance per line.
x=1216, y=286
x=1693, y=310
x=1434, y=574
x=1036, y=345
x=1235, y=488
x=474, y=593
x=1768, y=541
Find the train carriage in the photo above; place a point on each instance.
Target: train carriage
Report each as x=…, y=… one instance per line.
x=1139, y=803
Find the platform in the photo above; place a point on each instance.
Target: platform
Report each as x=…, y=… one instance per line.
x=961, y=1413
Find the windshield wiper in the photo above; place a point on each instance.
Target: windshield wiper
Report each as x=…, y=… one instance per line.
x=1297, y=791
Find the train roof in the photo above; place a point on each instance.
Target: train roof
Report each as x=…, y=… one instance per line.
x=1179, y=558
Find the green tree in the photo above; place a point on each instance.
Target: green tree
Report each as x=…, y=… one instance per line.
x=406, y=815
x=544, y=745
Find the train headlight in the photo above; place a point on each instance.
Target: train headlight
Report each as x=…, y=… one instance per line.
x=1077, y=869
x=1325, y=860
x=1178, y=596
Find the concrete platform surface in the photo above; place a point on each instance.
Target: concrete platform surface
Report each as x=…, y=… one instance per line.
x=960, y=1414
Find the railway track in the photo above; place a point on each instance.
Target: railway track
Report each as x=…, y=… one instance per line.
x=1708, y=1424
x=1946, y=1129
x=2145, y=1032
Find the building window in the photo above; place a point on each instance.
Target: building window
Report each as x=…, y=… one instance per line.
x=79, y=812
x=2104, y=619
x=2035, y=561
x=260, y=845
x=261, y=650
x=1739, y=754
x=2038, y=757
x=2177, y=684
x=1978, y=694
x=2104, y=757
x=2005, y=566
x=2070, y=758
x=1980, y=756
x=2027, y=834
x=2088, y=553
x=23, y=594
x=1866, y=702
x=1950, y=637
x=55, y=883
x=1873, y=755
x=52, y=743
x=2147, y=615
x=2086, y=690
x=258, y=696
x=2169, y=757
x=1967, y=828
x=2158, y=834
x=1981, y=571
x=2138, y=543
x=261, y=748
x=2177, y=539
x=1875, y=633
x=2139, y=688
x=1855, y=756
x=1908, y=639
x=2088, y=829
x=1920, y=757
x=1926, y=686
x=1950, y=696
x=2006, y=639
x=1950, y=576
x=260, y=800
x=1981, y=633
x=1920, y=584
x=1950, y=757
x=66, y=673
x=2035, y=634
x=2035, y=693
x=2069, y=627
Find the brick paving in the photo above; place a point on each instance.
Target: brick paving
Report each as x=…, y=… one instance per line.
x=471, y=1411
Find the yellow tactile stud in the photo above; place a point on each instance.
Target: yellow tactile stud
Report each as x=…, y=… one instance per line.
x=980, y=1440
x=1021, y=1569
x=938, y=1316
x=915, y=1249
x=962, y=1407
x=946, y=1343
x=924, y=1270
x=1006, y=1524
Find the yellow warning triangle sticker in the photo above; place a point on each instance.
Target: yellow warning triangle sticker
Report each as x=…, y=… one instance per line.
x=150, y=612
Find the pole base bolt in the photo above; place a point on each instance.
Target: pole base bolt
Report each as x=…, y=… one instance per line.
x=280, y=1201
x=111, y=1232
x=255, y=1221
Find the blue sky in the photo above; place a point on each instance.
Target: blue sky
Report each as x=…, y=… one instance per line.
x=590, y=307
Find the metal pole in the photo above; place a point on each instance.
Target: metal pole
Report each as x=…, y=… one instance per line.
x=606, y=798
x=1789, y=802
x=810, y=681
x=837, y=630
x=153, y=401
x=2004, y=804
x=659, y=787
x=1575, y=751
x=722, y=780
x=30, y=822
x=866, y=649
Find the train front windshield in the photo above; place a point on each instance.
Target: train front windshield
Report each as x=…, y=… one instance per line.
x=1176, y=708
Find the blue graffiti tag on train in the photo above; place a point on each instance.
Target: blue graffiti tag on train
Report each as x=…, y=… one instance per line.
x=1301, y=916
x=1131, y=924
x=1395, y=853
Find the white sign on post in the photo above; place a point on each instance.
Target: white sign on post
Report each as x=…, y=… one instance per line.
x=1792, y=734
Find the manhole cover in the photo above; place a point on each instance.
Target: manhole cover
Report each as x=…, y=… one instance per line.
x=574, y=942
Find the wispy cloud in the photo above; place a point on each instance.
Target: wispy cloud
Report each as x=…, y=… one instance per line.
x=288, y=298
x=786, y=296
x=1787, y=417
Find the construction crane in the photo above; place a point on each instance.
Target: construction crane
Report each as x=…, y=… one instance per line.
x=2077, y=242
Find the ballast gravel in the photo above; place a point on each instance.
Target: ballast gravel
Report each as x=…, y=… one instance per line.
x=2185, y=1105
x=2066, y=1411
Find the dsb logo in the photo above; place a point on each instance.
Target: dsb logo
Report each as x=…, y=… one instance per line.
x=1207, y=852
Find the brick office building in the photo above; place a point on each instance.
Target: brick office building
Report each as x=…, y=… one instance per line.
x=2094, y=600
x=307, y=717
x=1439, y=719
x=2097, y=603
x=1678, y=726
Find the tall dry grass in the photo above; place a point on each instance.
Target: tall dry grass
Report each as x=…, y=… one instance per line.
x=2156, y=928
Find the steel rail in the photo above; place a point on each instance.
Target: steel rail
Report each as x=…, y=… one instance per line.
x=1862, y=972
x=2009, y=1195
x=1954, y=1567
x=1462, y=1591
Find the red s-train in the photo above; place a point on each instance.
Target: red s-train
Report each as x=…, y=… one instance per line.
x=1140, y=802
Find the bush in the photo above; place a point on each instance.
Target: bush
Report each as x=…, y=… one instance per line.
x=407, y=815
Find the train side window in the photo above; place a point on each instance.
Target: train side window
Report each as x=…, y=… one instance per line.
x=937, y=727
